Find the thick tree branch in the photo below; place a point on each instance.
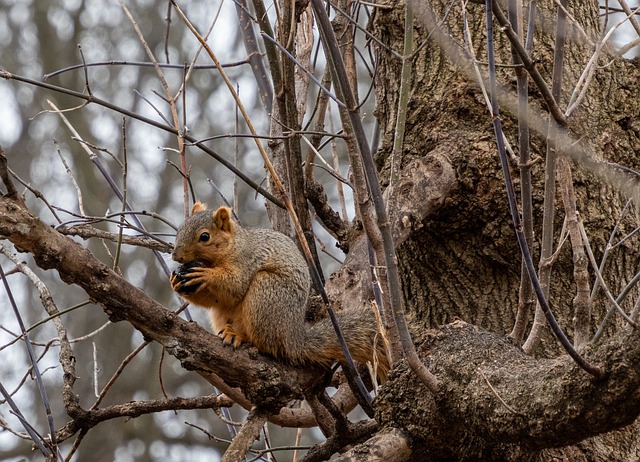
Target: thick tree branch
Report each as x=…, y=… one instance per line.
x=249, y=432
x=260, y=381
x=555, y=402
x=388, y=445
x=354, y=433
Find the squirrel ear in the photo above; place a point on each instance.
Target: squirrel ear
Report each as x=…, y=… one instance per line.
x=222, y=217
x=198, y=207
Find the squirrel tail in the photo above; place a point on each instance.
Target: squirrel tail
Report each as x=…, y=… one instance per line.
x=364, y=338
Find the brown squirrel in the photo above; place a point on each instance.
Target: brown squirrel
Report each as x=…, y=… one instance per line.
x=255, y=282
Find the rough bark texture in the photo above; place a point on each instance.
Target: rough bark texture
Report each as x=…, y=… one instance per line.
x=472, y=234
x=498, y=404
x=463, y=262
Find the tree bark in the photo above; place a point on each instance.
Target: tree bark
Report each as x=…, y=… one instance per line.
x=497, y=403
x=462, y=260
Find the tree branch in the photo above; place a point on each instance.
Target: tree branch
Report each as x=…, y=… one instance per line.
x=260, y=381
x=249, y=432
x=89, y=419
x=388, y=445
x=557, y=403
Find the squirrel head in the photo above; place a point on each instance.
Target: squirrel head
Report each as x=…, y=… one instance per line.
x=205, y=236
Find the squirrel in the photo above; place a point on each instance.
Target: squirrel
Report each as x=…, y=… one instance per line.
x=255, y=283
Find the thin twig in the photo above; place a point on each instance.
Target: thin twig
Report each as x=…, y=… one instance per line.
x=528, y=63
x=249, y=38
x=582, y=301
x=249, y=432
x=509, y=408
x=582, y=86
x=513, y=208
x=35, y=437
x=360, y=389
x=526, y=297
x=304, y=69
x=548, y=214
x=36, y=193
x=34, y=362
x=139, y=64
x=117, y=373
x=601, y=280
x=393, y=279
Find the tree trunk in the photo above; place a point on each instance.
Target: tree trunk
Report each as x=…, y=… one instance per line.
x=462, y=260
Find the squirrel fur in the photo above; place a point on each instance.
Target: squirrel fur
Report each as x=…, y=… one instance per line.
x=255, y=284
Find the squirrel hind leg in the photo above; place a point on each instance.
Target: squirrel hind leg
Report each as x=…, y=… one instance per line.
x=229, y=329
x=230, y=336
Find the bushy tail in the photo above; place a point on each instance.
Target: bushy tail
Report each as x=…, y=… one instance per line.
x=361, y=332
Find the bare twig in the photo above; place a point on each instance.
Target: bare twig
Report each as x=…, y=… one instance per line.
x=336, y=167
x=630, y=14
x=35, y=437
x=170, y=98
x=305, y=70
x=35, y=192
x=582, y=301
x=34, y=362
x=138, y=64
x=393, y=279
x=117, y=373
x=603, y=284
x=513, y=208
x=526, y=297
x=527, y=62
x=66, y=356
x=360, y=389
x=86, y=231
x=582, y=86
x=548, y=213
x=249, y=432
x=509, y=408
x=265, y=89
x=395, y=347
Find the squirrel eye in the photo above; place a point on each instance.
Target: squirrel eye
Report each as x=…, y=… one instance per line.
x=204, y=237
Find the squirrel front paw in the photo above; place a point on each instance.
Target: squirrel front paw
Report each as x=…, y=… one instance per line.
x=231, y=337
x=182, y=279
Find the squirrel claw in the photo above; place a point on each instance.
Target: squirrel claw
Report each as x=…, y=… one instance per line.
x=185, y=271
x=230, y=340
x=231, y=337
x=182, y=278
x=184, y=286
